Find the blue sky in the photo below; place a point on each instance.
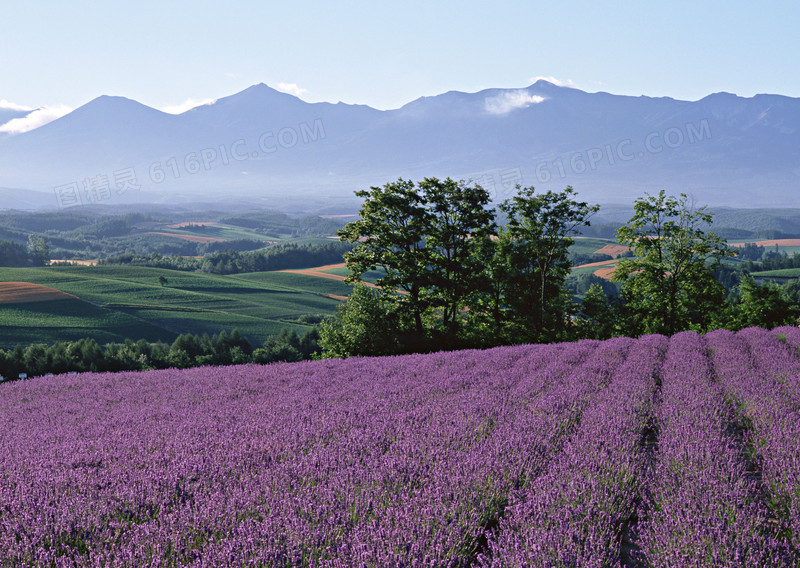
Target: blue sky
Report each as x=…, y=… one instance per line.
x=172, y=54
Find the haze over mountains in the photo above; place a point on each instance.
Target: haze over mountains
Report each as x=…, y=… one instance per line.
x=273, y=149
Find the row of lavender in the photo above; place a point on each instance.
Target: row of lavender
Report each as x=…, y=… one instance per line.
x=624, y=452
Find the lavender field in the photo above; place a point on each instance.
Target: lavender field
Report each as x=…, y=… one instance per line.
x=655, y=452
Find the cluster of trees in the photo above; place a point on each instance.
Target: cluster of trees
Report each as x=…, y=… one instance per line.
x=188, y=350
x=274, y=257
x=454, y=278
x=37, y=253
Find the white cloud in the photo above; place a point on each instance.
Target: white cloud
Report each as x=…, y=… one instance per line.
x=8, y=105
x=35, y=119
x=557, y=82
x=292, y=89
x=188, y=104
x=510, y=100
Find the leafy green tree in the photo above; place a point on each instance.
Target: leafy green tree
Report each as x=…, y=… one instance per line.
x=459, y=220
x=668, y=285
x=38, y=249
x=13, y=254
x=424, y=235
x=283, y=347
x=596, y=316
x=366, y=324
x=162, y=280
x=534, y=246
x=390, y=233
x=765, y=305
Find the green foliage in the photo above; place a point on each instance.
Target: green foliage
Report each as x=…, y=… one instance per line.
x=750, y=251
x=463, y=282
x=668, y=285
x=368, y=323
x=188, y=350
x=390, y=233
x=459, y=221
x=766, y=305
x=534, y=247
x=14, y=254
x=288, y=346
x=597, y=315
x=275, y=257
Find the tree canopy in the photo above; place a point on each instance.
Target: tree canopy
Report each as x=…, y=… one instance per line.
x=668, y=285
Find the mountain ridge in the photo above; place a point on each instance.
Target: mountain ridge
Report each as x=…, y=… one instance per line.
x=264, y=143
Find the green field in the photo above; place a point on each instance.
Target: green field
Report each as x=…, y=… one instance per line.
x=590, y=269
x=781, y=275
x=589, y=245
x=368, y=276
x=118, y=302
x=220, y=231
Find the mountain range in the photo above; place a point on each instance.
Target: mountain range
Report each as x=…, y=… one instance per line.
x=272, y=148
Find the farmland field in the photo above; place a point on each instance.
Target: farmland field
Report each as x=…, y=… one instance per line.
x=588, y=245
x=111, y=303
x=781, y=274
x=630, y=452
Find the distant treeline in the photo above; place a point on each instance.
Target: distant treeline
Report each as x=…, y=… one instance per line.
x=275, y=257
x=186, y=351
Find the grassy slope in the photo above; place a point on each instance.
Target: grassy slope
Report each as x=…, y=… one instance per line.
x=781, y=273
x=218, y=231
x=69, y=319
x=258, y=305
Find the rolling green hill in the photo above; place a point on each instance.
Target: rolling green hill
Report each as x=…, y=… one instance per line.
x=116, y=302
x=781, y=276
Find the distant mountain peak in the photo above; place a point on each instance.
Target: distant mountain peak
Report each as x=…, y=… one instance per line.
x=276, y=145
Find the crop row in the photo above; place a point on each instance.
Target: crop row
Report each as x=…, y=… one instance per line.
x=634, y=452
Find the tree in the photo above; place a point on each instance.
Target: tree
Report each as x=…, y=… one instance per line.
x=162, y=280
x=366, y=324
x=424, y=236
x=390, y=233
x=534, y=247
x=764, y=305
x=39, y=251
x=459, y=220
x=596, y=317
x=668, y=285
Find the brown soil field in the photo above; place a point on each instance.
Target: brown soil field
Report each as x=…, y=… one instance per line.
x=24, y=292
x=604, y=273
x=78, y=262
x=612, y=250
x=772, y=243
x=193, y=238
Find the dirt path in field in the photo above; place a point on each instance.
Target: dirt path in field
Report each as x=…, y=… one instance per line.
x=25, y=292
